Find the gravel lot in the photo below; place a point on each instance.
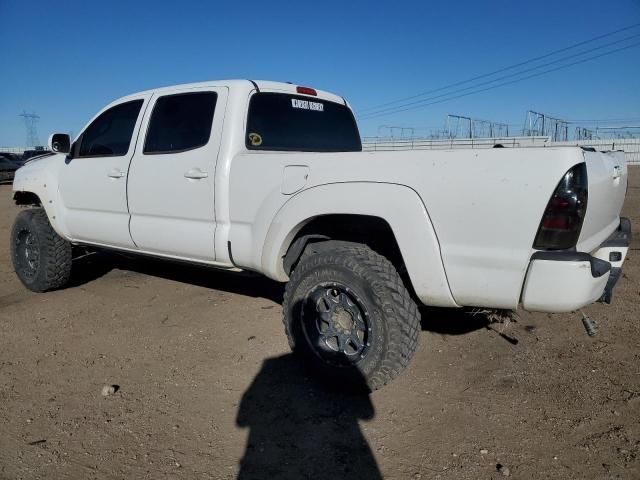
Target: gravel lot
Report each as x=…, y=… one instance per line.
x=207, y=387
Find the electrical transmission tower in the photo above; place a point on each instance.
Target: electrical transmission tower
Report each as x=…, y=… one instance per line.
x=583, y=133
x=466, y=127
x=539, y=124
x=499, y=130
x=393, y=129
x=30, y=123
x=459, y=127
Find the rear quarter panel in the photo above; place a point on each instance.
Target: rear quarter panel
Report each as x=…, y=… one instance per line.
x=486, y=207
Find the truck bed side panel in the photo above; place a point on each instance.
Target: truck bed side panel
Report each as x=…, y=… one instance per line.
x=485, y=205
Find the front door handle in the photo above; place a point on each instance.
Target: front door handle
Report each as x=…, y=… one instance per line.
x=115, y=173
x=195, y=174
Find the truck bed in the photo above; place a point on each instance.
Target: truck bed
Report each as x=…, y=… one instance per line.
x=485, y=205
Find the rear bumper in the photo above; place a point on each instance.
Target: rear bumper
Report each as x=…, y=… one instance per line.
x=563, y=281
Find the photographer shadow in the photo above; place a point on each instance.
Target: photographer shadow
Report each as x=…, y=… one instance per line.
x=298, y=428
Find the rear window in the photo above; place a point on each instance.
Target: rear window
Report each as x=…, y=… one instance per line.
x=279, y=121
x=181, y=122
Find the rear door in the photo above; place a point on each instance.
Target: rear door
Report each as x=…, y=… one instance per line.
x=93, y=181
x=171, y=181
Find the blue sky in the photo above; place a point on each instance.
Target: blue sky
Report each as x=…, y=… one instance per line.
x=65, y=60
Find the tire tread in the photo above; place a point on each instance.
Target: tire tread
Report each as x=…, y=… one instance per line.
x=399, y=310
x=55, y=252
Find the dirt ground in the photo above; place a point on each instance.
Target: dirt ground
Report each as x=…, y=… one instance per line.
x=208, y=388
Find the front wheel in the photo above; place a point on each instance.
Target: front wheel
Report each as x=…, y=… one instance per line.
x=347, y=312
x=41, y=258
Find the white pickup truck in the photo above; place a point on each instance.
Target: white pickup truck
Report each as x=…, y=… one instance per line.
x=271, y=177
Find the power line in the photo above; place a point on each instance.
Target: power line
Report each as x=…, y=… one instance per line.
x=511, y=75
x=510, y=67
x=421, y=105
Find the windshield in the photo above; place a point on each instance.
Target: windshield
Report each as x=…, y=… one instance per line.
x=280, y=121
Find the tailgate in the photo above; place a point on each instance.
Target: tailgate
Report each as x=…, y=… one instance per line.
x=607, y=177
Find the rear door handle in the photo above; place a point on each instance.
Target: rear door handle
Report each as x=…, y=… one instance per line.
x=195, y=174
x=116, y=173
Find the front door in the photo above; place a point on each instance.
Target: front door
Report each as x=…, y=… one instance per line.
x=93, y=181
x=171, y=180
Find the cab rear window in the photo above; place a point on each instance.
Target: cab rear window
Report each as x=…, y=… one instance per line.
x=279, y=121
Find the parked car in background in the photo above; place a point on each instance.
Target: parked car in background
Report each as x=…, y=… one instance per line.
x=7, y=169
x=28, y=154
x=13, y=157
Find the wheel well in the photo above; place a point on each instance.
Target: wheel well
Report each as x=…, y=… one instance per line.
x=26, y=198
x=372, y=231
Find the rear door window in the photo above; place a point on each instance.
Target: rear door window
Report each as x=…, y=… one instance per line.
x=279, y=121
x=110, y=134
x=180, y=122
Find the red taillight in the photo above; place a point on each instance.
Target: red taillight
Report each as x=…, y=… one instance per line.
x=562, y=220
x=558, y=204
x=558, y=223
x=306, y=91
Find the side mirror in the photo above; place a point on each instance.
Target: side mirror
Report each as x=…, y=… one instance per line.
x=59, y=143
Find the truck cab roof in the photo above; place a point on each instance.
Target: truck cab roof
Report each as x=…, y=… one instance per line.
x=242, y=84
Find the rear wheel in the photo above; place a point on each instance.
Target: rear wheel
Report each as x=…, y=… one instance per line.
x=347, y=312
x=41, y=258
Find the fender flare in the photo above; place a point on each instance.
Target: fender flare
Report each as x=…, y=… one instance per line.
x=406, y=215
x=43, y=183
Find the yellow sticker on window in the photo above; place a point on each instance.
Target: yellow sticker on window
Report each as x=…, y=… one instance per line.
x=255, y=139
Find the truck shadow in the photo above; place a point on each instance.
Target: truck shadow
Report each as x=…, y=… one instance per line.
x=94, y=265
x=299, y=428
x=460, y=321
x=90, y=267
x=451, y=321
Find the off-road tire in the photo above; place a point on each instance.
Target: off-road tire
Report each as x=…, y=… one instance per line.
x=53, y=267
x=391, y=312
